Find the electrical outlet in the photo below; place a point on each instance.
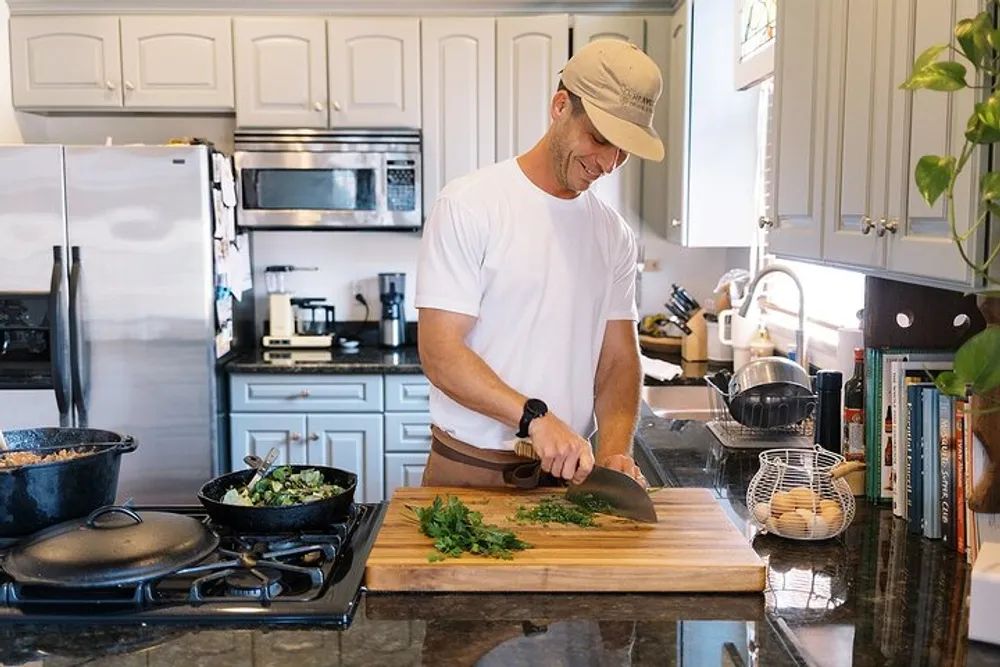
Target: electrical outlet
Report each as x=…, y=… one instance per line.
x=651, y=266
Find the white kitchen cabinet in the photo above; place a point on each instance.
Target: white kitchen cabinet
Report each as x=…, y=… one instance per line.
x=403, y=470
x=622, y=189
x=709, y=130
x=374, y=70
x=350, y=442
x=65, y=61
x=806, y=36
x=933, y=123
x=530, y=52
x=458, y=66
x=281, y=75
x=177, y=62
x=258, y=433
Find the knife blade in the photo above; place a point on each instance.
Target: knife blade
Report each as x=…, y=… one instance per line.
x=626, y=496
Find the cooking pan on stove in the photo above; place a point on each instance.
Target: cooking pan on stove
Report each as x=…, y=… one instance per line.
x=304, y=516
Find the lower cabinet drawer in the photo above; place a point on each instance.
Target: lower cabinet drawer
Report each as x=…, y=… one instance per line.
x=305, y=393
x=407, y=431
x=407, y=393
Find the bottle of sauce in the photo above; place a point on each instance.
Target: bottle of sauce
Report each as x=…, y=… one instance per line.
x=854, y=421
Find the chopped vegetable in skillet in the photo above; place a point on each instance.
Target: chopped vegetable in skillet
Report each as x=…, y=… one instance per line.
x=282, y=488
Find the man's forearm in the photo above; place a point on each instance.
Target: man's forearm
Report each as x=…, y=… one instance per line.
x=468, y=380
x=617, y=404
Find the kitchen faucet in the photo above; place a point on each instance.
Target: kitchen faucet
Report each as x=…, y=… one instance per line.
x=800, y=334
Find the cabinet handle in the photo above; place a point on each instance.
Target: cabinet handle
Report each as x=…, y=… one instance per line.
x=890, y=225
x=763, y=222
x=304, y=393
x=129, y=85
x=318, y=106
x=109, y=84
x=314, y=436
x=294, y=437
x=336, y=106
x=866, y=225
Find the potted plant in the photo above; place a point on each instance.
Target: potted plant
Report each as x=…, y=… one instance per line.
x=977, y=361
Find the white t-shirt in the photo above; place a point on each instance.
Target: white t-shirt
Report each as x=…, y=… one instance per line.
x=542, y=275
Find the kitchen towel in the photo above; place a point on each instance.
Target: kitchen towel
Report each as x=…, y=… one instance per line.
x=659, y=369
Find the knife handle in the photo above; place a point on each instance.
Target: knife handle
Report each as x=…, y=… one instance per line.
x=524, y=449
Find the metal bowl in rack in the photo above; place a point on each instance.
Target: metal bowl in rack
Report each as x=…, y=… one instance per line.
x=771, y=392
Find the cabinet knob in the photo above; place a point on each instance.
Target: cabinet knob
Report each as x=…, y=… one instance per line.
x=318, y=106
x=304, y=393
x=675, y=223
x=294, y=437
x=314, y=436
x=129, y=85
x=866, y=225
x=891, y=225
x=109, y=84
x=764, y=222
x=336, y=106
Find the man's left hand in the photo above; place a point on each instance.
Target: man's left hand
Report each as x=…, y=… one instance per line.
x=625, y=464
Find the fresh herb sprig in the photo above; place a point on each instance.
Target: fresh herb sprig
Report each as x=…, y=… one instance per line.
x=556, y=509
x=456, y=529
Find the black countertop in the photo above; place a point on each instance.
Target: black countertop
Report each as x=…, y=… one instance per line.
x=873, y=596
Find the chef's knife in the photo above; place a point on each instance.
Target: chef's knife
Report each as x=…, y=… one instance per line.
x=626, y=496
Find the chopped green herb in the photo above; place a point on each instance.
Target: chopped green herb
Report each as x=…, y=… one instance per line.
x=456, y=529
x=435, y=557
x=592, y=503
x=557, y=509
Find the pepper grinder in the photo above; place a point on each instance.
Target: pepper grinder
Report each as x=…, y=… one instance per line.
x=828, y=410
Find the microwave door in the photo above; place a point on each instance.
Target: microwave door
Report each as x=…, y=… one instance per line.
x=311, y=189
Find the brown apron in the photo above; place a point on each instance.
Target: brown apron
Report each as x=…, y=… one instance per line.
x=456, y=463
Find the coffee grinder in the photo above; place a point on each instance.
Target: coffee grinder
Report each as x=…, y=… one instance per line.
x=392, y=326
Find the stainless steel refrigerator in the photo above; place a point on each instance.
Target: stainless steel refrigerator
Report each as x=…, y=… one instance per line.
x=122, y=238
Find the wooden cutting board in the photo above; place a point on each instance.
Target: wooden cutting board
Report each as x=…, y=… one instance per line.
x=693, y=548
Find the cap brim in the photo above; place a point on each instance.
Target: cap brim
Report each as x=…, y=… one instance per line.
x=640, y=141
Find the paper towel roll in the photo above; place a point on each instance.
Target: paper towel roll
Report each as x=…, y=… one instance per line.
x=847, y=340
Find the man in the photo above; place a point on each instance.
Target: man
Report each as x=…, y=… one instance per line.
x=526, y=291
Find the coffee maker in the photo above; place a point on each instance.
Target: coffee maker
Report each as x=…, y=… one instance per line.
x=282, y=329
x=392, y=326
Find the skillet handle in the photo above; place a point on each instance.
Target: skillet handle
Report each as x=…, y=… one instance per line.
x=127, y=445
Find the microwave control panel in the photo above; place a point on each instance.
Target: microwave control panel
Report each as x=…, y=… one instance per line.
x=401, y=186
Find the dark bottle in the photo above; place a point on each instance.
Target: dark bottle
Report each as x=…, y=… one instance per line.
x=854, y=410
x=828, y=386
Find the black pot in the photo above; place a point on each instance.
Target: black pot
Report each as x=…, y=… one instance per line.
x=314, y=515
x=34, y=497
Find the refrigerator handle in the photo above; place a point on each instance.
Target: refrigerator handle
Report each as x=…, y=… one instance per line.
x=58, y=354
x=75, y=343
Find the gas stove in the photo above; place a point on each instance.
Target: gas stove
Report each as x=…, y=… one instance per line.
x=311, y=578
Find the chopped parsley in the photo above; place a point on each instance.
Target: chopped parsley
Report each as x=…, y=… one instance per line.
x=557, y=509
x=456, y=529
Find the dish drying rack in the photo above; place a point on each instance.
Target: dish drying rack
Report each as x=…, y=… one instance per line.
x=747, y=432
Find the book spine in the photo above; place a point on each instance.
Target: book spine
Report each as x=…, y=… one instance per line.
x=914, y=496
x=960, y=476
x=932, y=466
x=946, y=479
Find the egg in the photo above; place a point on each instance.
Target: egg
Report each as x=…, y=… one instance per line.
x=781, y=503
x=826, y=503
x=818, y=528
x=762, y=512
x=792, y=524
x=805, y=514
x=834, y=518
x=804, y=498
x=772, y=525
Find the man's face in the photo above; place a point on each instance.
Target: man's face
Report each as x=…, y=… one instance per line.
x=580, y=154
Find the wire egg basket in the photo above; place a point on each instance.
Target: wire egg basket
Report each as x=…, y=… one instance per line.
x=800, y=494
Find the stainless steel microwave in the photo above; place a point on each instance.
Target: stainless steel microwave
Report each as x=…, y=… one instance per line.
x=332, y=179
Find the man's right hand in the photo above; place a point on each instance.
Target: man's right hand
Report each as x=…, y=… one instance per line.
x=563, y=452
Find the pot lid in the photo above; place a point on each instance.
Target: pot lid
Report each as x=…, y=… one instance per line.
x=111, y=547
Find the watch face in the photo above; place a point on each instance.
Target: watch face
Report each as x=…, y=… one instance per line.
x=536, y=407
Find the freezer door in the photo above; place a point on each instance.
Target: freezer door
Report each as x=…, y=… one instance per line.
x=33, y=259
x=139, y=224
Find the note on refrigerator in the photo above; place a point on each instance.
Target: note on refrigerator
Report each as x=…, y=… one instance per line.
x=228, y=183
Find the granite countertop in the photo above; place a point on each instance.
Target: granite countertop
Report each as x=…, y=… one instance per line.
x=335, y=361
x=874, y=596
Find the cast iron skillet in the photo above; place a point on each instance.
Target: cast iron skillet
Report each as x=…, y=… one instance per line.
x=314, y=515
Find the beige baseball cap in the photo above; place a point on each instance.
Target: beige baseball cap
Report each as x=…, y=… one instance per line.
x=619, y=86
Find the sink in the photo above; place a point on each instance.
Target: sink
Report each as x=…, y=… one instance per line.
x=679, y=402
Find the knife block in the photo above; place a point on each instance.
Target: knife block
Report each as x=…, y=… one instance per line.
x=694, y=346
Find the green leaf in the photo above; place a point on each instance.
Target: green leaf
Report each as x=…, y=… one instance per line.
x=973, y=37
x=979, y=132
x=977, y=362
x=928, y=56
x=933, y=174
x=989, y=186
x=948, y=382
x=989, y=111
x=944, y=77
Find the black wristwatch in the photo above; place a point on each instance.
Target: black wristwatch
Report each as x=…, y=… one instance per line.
x=533, y=408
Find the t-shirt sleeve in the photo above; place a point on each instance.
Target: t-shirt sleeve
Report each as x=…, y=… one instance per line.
x=449, y=265
x=622, y=305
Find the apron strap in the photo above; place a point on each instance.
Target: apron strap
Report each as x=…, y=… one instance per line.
x=524, y=473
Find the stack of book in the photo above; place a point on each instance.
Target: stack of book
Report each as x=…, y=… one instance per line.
x=922, y=455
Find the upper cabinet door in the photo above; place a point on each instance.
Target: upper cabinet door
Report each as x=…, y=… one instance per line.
x=805, y=35
x=280, y=72
x=374, y=72
x=177, y=62
x=65, y=61
x=919, y=236
x=530, y=52
x=459, y=99
x=621, y=189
